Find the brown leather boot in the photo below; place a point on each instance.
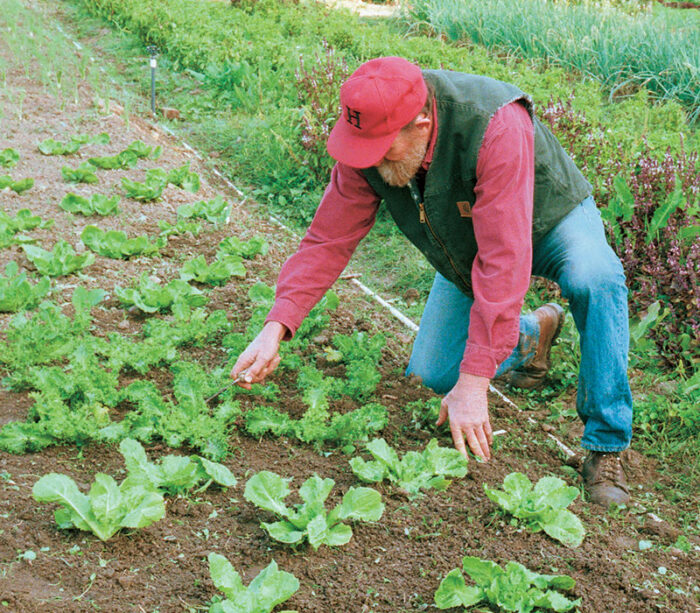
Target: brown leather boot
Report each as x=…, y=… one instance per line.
x=604, y=478
x=531, y=375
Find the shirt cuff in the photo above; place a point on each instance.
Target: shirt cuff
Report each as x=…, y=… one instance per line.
x=478, y=361
x=288, y=314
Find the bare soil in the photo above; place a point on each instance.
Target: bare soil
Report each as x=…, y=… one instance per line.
x=390, y=566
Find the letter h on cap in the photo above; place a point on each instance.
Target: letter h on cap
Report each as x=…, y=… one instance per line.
x=353, y=117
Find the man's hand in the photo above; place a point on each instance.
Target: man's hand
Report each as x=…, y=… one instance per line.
x=467, y=408
x=260, y=357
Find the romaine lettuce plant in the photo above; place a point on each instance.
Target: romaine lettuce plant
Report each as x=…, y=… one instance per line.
x=60, y=261
x=53, y=147
x=185, y=178
x=152, y=187
x=542, y=507
x=215, y=211
x=23, y=220
x=115, y=244
x=85, y=173
x=123, y=160
x=310, y=520
x=181, y=227
x=173, y=474
x=8, y=158
x=97, y=204
x=142, y=150
x=216, y=273
x=151, y=297
x=515, y=589
x=16, y=293
x=270, y=588
x=19, y=186
x=106, y=509
x=232, y=245
x=415, y=471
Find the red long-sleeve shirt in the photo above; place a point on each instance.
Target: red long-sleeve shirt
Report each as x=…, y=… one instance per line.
x=502, y=218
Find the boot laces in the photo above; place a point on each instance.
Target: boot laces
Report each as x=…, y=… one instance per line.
x=611, y=469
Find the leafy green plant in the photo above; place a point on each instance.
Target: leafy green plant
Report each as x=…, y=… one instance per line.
x=310, y=520
x=151, y=297
x=116, y=244
x=8, y=158
x=97, y=204
x=215, y=211
x=173, y=474
x=123, y=160
x=181, y=227
x=424, y=413
x=16, y=293
x=232, y=245
x=415, y=471
x=53, y=147
x=19, y=186
x=142, y=150
x=60, y=261
x=216, y=273
x=106, y=509
x=22, y=221
x=542, y=507
x=85, y=173
x=152, y=187
x=269, y=588
x=514, y=589
x=183, y=177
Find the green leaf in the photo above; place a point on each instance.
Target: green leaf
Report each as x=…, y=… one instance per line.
x=105, y=499
x=283, y=531
x=272, y=587
x=268, y=490
x=453, y=592
x=224, y=576
x=371, y=472
x=663, y=213
x=564, y=526
x=8, y=158
x=218, y=472
x=62, y=489
x=362, y=503
x=317, y=531
x=339, y=535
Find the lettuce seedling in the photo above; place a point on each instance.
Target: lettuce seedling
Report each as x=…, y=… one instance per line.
x=53, y=147
x=123, y=160
x=232, y=245
x=216, y=273
x=62, y=260
x=415, y=471
x=183, y=177
x=19, y=186
x=515, y=589
x=215, y=211
x=151, y=297
x=85, y=173
x=310, y=520
x=115, y=244
x=152, y=187
x=8, y=158
x=106, y=509
x=542, y=507
x=142, y=150
x=173, y=474
x=97, y=204
x=22, y=221
x=270, y=588
x=16, y=293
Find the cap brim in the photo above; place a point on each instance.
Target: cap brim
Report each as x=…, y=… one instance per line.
x=345, y=146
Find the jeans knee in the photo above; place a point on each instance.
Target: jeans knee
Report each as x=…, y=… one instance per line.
x=604, y=277
x=435, y=379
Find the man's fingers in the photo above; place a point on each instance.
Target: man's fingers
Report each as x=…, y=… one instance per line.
x=483, y=442
x=474, y=444
x=443, y=413
x=489, y=432
x=458, y=439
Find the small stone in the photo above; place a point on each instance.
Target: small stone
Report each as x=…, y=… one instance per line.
x=410, y=296
x=547, y=427
x=125, y=580
x=662, y=529
x=123, y=324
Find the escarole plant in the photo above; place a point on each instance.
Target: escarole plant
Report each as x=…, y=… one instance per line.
x=415, y=470
x=515, y=589
x=310, y=520
x=542, y=507
x=270, y=588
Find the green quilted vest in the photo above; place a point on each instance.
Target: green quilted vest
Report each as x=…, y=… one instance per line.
x=439, y=222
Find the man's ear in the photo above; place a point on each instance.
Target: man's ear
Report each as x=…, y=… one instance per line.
x=423, y=122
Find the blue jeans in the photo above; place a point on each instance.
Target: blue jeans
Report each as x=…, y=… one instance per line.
x=575, y=255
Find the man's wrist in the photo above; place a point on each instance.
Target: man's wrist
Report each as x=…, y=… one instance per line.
x=277, y=329
x=473, y=382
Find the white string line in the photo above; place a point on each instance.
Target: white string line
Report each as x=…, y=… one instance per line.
x=393, y=310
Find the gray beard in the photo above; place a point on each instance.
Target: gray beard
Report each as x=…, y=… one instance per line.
x=399, y=174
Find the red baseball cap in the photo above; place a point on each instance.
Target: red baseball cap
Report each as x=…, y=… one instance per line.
x=378, y=99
